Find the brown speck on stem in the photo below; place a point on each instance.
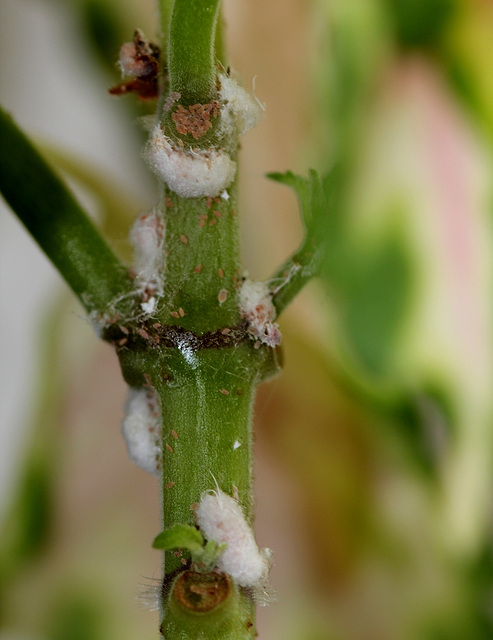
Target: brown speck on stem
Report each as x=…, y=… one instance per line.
x=238, y=392
x=174, y=434
x=225, y=392
x=184, y=561
x=122, y=342
x=213, y=222
x=169, y=485
x=184, y=239
x=181, y=312
x=168, y=202
x=220, y=273
x=169, y=448
x=218, y=214
x=222, y=295
x=175, y=314
x=198, y=268
x=225, y=331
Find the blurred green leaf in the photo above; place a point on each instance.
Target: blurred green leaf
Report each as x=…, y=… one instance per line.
x=375, y=295
x=420, y=23
x=77, y=615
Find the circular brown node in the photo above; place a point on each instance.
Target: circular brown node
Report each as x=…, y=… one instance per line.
x=201, y=592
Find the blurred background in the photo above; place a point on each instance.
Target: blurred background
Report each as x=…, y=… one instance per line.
x=374, y=475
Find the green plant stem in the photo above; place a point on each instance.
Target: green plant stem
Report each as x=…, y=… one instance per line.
x=191, y=58
x=57, y=222
x=207, y=423
x=293, y=275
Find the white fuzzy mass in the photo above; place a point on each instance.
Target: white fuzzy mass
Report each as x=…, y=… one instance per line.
x=257, y=307
x=190, y=174
x=238, y=104
x=141, y=428
x=221, y=519
x=147, y=238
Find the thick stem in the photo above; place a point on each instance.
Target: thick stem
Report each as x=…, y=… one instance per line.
x=202, y=267
x=207, y=444
x=207, y=403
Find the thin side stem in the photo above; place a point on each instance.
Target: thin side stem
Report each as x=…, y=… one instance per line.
x=57, y=222
x=292, y=276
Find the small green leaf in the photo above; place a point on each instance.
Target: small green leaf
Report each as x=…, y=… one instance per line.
x=211, y=553
x=180, y=536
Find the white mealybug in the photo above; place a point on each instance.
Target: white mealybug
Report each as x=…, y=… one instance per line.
x=189, y=173
x=221, y=519
x=141, y=428
x=256, y=306
x=147, y=238
x=239, y=108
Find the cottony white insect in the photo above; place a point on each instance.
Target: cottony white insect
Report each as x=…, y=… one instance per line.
x=141, y=428
x=149, y=306
x=239, y=108
x=191, y=174
x=147, y=237
x=221, y=519
x=256, y=306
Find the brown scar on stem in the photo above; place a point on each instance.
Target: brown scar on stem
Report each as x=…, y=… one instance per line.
x=220, y=273
x=169, y=485
x=181, y=312
x=198, y=268
x=174, y=434
x=225, y=392
x=196, y=120
x=175, y=314
x=169, y=448
x=184, y=239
